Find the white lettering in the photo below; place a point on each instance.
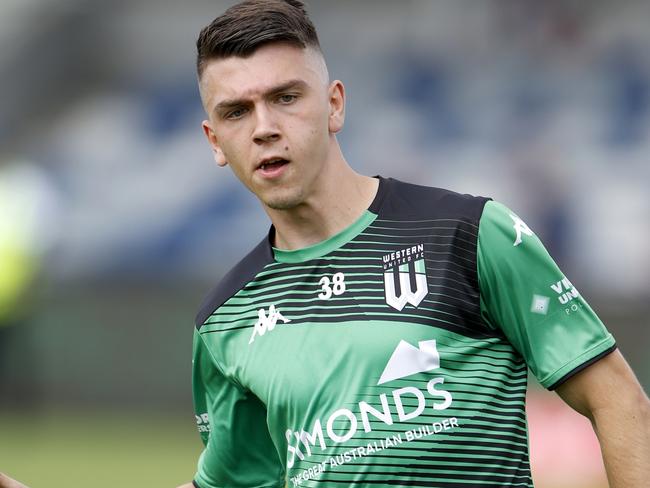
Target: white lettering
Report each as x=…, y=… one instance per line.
x=316, y=435
x=431, y=388
x=384, y=416
x=292, y=450
x=330, y=425
x=397, y=396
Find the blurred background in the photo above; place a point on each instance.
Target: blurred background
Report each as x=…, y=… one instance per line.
x=114, y=220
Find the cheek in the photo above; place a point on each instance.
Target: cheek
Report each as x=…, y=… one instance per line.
x=232, y=145
x=316, y=126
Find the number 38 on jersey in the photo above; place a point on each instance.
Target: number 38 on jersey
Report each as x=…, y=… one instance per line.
x=332, y=286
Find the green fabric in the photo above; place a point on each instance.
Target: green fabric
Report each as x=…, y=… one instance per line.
x=328, y=245
x=310, y=401
x=306, y=375
x=242, y=454
x=524, y=294
x=313, y=374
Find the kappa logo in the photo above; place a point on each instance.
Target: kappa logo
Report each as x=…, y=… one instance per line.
x=521, y=228
x=408, y=360
x=267, y=322
x=408, y=261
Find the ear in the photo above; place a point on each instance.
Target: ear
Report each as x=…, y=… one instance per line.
x=336, y=94
x=217, y=153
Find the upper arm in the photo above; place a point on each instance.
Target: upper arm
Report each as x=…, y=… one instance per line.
x=605, y=384
x=238, y=450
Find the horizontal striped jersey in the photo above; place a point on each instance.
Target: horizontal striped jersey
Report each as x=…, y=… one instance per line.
x=394, y=353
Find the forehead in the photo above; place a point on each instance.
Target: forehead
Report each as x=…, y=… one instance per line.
x=269, y=66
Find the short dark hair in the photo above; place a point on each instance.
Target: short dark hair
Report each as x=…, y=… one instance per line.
x=245, y=27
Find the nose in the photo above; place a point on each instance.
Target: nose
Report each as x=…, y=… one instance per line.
x=266, y=127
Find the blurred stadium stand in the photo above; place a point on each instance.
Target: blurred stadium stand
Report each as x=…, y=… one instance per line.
x=544, y=106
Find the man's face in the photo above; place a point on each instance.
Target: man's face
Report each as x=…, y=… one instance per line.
x=272, y=118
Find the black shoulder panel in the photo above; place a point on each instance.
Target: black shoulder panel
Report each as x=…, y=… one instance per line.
x=235, y=279
x=416, y=202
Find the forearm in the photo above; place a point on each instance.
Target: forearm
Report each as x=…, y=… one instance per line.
x=7, y=482
x=608, y=393
x=624, y=435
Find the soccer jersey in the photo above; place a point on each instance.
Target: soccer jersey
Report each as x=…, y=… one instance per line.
x=394, y=353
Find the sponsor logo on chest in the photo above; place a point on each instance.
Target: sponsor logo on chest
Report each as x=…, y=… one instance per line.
x=400, y=405
x=405, y=278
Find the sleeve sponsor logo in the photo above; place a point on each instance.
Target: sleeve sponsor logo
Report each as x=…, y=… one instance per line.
x=565, y=291
x=566, y=295
x=540, y=304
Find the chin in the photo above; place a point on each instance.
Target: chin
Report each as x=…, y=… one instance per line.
x=286, y=201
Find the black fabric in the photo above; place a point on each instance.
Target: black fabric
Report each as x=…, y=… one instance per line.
x=235, y=279
x=406, y=201
x=395, y=200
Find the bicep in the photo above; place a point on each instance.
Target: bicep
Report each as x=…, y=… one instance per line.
x=607, y=383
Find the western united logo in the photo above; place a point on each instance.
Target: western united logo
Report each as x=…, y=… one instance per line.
x=399, y=268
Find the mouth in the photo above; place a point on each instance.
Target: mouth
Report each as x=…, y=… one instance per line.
x=272, y=163
x=272, y=167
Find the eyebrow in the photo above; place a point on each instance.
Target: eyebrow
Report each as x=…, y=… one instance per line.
x=238, y=102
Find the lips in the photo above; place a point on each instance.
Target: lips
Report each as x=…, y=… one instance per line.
x=272, y=163
x=272, y=167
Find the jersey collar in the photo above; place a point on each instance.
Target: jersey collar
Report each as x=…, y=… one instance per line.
x=336, y=241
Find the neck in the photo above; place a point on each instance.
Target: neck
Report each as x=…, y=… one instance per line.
x=341, y=197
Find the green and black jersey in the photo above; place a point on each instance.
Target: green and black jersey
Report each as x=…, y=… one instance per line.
x=394, y=353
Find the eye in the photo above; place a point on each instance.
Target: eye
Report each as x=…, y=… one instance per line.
x=287, y=98
x=235, y=114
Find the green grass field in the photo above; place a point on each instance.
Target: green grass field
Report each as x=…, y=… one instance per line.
x=98, y=450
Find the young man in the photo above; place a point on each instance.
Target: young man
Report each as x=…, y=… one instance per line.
x=380, y=335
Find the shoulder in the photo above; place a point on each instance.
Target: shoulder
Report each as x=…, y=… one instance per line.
x=242, y=273
x=406, y=200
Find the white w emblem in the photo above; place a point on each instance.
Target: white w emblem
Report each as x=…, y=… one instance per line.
x=407, y=295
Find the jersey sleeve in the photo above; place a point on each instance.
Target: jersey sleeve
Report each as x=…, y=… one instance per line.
x=238, y=450
x=524, y=293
